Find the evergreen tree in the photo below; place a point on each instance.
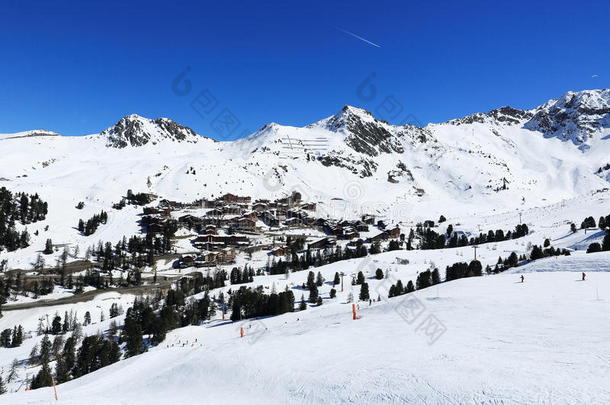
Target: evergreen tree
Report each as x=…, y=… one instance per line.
x=436, y=277
x=360, y=278
x=424, y=279
x=594, y=248
x=313, y=294
x=337, y=279
x=87, y=319
x=310, y=280
x=48, y=248
x=319, y=280
x=45, y=349
x=606, y=242
x=132, y=336
x=43, y=378
x=379, y=274
x=303, y=304
x=333, y=293
x=364, y=292
x=56, y=325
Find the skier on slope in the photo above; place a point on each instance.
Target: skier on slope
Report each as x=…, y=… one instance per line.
x=583, y=276
x=522, y=278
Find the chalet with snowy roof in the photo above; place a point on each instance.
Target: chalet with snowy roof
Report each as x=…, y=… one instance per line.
x=186, y=261
x=279, y=251
x=269, y=219
x=243, y=224
x=293, y=199
x=235, y=199
x=322, y=243
x=215, y=213
x=385, y=235
x=368, y=219
x=232, y=210
x=309, y=206
x=260, y=207
x=220, y=241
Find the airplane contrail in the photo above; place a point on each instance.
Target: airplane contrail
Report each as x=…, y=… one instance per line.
x=359, y=37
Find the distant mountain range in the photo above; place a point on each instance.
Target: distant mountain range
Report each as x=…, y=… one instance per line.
x=503, y=158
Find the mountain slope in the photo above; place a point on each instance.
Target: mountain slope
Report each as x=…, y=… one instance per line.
x=351, y=163
x=494, y=326
x=135, y=130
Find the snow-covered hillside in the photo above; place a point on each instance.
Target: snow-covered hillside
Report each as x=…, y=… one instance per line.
x=503, y=159
x=502, y=342
x=493, y=339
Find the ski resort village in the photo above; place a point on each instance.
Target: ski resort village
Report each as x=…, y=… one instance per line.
x=345, y=261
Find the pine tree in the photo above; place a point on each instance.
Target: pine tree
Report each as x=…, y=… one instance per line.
x=33, y=358
x=2, y=386
x=48, y=248
x=333, y=293
x=43, y=378
x=436, y=277
x=56, y=325
x=313, y=294
x=87, y=319
x=310, y=280
x=302, y=305
x=364, y=292
x=379, y=274
x=45, y=349
x=606, y=242
x=337, y=279
x=319, y=280
x=360, y=278
x=13, y=373
x=132, y=336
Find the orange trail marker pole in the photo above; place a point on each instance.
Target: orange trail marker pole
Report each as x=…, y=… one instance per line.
x=241, y=332
x=54, y=388
x=355, y=315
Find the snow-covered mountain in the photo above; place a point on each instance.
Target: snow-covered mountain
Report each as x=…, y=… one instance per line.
x=579, y=117
x=504, y=159
x=135, y=130
x=547, y=167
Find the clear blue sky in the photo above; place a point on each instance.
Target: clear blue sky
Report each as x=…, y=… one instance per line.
x=76, y=68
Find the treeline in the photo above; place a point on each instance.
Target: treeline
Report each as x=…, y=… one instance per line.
x=253, y=302
x=90, y=226
x=135, y=252
x=134, y=199
x=424, y=279
x=318, y=258
x=94, y=353
x=604, y=225
x=11, y=337
x=430, y=239
x=19, y=284
x=238, y=276
x=463, y=270
x=147, y=322
x=22, y=208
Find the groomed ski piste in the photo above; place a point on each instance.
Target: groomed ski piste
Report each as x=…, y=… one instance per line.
x=481, y=340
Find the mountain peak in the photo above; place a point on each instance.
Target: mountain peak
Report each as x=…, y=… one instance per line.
x=500, y=116
x=578, y=117
x=135, y=130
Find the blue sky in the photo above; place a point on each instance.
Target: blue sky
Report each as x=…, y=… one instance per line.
x=76, y=68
